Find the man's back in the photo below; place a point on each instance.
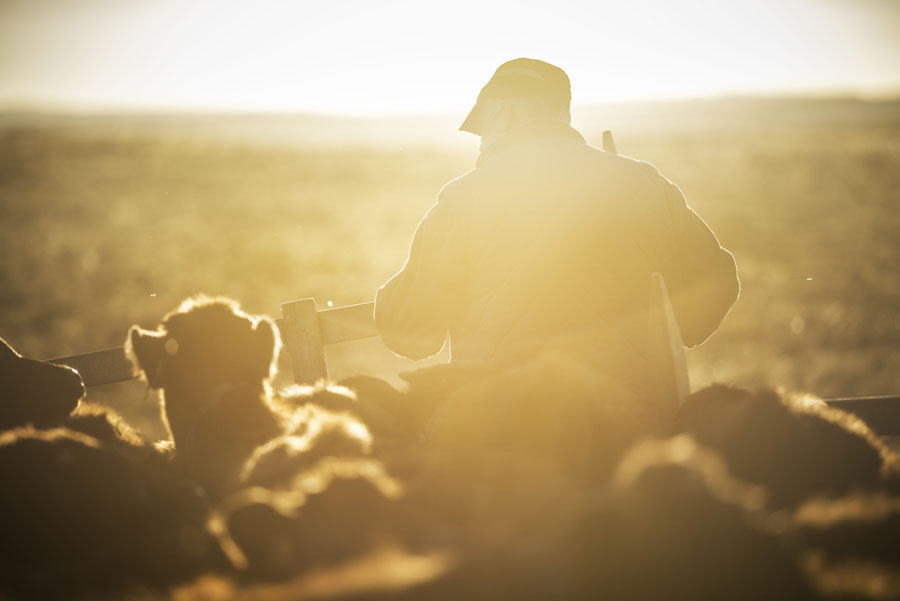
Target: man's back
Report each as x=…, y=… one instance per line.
x=549, y=244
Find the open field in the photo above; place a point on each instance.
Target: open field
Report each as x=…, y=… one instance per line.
x=102, y=227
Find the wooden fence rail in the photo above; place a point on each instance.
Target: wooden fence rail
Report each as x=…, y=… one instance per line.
x=306, y=332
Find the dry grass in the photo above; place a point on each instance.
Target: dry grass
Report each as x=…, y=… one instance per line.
x=100, y=230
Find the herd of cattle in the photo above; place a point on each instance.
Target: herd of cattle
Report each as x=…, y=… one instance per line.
x=549, y=481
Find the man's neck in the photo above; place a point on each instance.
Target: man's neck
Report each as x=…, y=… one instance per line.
x=522, y=133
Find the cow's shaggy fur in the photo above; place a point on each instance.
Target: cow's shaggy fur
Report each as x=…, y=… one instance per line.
x=679, y=526
x=212, y=363
x=336, y=510
x=313, y=434
x=518, y=476
x=110, y=428
x=312, y=496
x=552, y=409
x=35, y=393
x=373, y=409
x=796, y=447
x=848, y=546
x=80, y=519
x=673, y=525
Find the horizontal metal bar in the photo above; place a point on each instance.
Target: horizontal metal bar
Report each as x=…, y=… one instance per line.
x=881, y=413
x=888, y=398
x=337, y=325
x=347, y=323
x=100, y=367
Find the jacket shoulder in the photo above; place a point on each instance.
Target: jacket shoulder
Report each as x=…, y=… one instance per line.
x=458, y=186
x=625, y=165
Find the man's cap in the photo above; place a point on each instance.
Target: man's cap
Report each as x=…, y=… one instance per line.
x=521, y=78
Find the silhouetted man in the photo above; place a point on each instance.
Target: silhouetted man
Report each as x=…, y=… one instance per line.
x=549, y=243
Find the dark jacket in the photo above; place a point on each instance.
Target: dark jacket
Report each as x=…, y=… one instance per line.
x=550, y=243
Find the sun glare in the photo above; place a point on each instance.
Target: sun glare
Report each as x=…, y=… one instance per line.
x=402, y=57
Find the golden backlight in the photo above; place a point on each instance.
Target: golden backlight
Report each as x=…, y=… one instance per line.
x=403, y=56
x=267, y=151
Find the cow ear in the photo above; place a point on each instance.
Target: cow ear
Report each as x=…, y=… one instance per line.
x=145, y=350
x=266, y=346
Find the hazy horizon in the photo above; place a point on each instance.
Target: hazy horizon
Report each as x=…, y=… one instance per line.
x=406, y=58
x=75, y=109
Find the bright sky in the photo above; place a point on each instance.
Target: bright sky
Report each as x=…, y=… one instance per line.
x=402, y=56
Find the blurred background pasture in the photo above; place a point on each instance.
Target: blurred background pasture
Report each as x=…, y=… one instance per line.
x=112, y=222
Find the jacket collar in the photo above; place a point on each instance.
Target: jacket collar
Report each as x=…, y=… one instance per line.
x=525, y=134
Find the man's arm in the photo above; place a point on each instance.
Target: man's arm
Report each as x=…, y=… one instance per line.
x=701, y=275
x=414, y=309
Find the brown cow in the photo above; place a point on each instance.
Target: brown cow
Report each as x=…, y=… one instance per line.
x=213, y=364
x=36, y=393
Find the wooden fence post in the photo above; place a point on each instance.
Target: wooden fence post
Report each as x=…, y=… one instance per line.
x=303, y=339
